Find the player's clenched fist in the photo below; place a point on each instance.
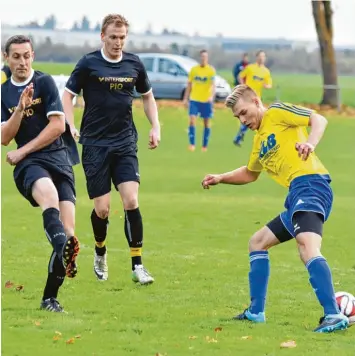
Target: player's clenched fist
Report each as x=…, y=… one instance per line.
x=210, y=179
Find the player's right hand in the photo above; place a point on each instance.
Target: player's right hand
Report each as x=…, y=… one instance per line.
x=211, y=179
x=26, y=98
x=185, y=103
x=75, y=133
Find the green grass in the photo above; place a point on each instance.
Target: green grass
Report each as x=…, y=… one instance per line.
x=196, y=247
x=296, y=88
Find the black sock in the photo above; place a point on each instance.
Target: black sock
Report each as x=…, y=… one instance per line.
x=99, y=226
x=56, y=275
x=133, y=228
x=54, y=230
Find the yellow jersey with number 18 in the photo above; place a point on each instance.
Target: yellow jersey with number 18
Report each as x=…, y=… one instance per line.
x=274, y=151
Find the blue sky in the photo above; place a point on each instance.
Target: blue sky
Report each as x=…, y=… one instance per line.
x=255, y=18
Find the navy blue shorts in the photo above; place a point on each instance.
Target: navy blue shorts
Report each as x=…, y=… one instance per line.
x=204, y=110
x=62, y=177
x=103, y=165
x=310, y=193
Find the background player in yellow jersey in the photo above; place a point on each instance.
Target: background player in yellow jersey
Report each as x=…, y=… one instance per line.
x=257, y=77
x=5, y=73
x=199, y=95
x=283, y=148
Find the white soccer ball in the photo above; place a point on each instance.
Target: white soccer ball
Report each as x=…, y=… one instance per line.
x=346, y=303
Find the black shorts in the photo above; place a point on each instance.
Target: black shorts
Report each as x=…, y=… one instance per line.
x=303, y=221
x=62, y=177
x=105, y=164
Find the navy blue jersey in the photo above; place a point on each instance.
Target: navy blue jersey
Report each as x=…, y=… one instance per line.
x=46, y=102
x=108, y=91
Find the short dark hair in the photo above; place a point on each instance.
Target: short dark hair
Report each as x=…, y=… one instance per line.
x=17, y=39
x=203, y=51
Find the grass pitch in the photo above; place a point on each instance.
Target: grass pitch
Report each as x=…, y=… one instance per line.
x=196, y=247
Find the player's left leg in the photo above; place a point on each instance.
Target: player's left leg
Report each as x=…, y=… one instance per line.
x=240, y=135
x=309, y=228
x=206, y=114
x=193, y=113
x=126, y=180
x=270, y=235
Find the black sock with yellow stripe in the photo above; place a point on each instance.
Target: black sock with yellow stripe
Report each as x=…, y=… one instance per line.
x=99, y=227
x=133, y=228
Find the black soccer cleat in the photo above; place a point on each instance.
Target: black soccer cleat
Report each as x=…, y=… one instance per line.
x=70, y=252
x=52, y=305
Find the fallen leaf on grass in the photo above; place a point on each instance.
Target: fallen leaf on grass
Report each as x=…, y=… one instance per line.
x=58, y=333
x=192, y=337
x=289, y=344
x=56, y=337
x=9, y=284
x=218, y=329
x=37, y=323
x=210, y=339
x=19, y=288
x=77, y=336
x=70, y=341
x=246, y=337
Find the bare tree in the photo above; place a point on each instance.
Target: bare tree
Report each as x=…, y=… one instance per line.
x=322, y=14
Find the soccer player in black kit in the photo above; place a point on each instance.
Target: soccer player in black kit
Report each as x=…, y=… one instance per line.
x=32, y=114
x=107, y=78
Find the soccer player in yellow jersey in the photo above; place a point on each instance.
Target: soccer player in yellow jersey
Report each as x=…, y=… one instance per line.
x=257, y=77
x=283, y=148
x=5, y=73
x=199, y=95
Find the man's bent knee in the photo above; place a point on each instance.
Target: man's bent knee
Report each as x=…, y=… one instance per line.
x=102, y=206
x=262, y=240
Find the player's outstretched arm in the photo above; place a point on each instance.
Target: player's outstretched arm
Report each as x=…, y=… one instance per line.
x=239, y=176
x=151, y=111
x=10, y=127
x=318, y=124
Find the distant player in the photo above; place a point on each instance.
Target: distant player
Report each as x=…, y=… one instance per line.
x=257, y=77
x=284, y=150
x=32, y=114
x=239, y=67
x=107, y=78
x=5, y=73
x=199, y=96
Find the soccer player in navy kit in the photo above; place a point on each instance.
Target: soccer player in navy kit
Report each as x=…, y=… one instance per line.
x=32, y=114
x=107, y=78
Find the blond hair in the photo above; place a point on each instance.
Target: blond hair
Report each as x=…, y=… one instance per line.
x=116, y=19
x=241, y=90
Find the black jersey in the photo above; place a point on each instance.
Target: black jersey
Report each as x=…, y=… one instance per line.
x=46, y=102
x=108, y=91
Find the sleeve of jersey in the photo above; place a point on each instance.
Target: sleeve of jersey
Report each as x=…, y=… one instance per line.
x=51, y=98
x=77, y=78
x=293, y=115
x=244, y=72
x=191, y=75
x=143, y=85
x=268, y=79
x=254, y=164
x=5, y=115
